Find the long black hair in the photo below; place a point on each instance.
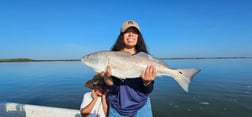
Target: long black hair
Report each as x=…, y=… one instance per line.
x=140, y=46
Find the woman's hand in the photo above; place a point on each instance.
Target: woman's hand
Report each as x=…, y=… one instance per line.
x=149, y=74
x=107, y=76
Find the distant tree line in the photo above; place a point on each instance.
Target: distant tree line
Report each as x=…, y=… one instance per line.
x=16, y=60
x=31, y=60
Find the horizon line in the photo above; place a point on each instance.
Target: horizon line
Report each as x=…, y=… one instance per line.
x=164, y=58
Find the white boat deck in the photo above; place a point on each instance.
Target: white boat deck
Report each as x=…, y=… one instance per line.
x=26, y=110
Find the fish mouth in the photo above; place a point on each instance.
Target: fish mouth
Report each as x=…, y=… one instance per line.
x=84, y=60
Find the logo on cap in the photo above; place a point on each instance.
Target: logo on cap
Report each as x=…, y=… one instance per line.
x=130, y=22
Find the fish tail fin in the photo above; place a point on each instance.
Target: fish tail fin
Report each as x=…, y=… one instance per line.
x=184, y=77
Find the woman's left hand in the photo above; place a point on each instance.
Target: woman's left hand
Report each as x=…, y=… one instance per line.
x=149, y=74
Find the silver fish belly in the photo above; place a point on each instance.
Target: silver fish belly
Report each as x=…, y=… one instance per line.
x=125, y=65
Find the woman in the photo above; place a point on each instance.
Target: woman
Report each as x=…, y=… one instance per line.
x=130, y=97
x=94, y=103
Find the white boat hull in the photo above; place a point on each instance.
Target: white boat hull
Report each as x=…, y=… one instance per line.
x=26, y=110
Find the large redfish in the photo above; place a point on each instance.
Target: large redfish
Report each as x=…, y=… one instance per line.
x=125, y=65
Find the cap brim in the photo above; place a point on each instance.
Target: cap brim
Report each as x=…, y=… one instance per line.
x=96, y=78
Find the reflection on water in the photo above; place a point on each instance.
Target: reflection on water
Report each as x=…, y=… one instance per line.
x=222, y=87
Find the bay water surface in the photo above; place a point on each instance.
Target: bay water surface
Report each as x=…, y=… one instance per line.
x=223, y=87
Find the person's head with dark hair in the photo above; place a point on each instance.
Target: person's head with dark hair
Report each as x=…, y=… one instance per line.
x=130, y=96
x=96, y=84
x=130, y=39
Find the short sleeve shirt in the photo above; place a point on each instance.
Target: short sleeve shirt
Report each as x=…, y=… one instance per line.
x=97, y=111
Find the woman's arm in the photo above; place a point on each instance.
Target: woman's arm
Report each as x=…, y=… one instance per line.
x=112, y=88
x=148, y=77
x=107, y=76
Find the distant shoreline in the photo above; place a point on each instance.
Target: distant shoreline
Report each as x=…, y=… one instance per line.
x=194, y=58
x=55, y=60
x=32, y=60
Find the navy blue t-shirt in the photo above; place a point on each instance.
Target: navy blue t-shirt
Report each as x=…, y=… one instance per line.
x=129, y=95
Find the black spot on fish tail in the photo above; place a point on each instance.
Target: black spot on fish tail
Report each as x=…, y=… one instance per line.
x=180, y=72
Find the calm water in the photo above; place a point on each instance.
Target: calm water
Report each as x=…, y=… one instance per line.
x=222, y=88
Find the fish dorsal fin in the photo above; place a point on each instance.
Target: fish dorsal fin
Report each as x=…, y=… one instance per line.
x=143, y=55
x=147, y=56
x=123, y=53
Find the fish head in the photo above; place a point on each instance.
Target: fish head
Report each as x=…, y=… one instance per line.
x=96, y=61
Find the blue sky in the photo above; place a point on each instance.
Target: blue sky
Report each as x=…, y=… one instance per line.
x=65, y=29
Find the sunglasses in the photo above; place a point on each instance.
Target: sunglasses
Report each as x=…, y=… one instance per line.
x=97, y=84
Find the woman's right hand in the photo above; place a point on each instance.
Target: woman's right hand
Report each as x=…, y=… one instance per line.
x=107, y=76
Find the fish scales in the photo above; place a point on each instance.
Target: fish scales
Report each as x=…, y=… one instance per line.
x=125, y=65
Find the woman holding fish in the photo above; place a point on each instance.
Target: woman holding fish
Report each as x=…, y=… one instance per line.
x=130, y=96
